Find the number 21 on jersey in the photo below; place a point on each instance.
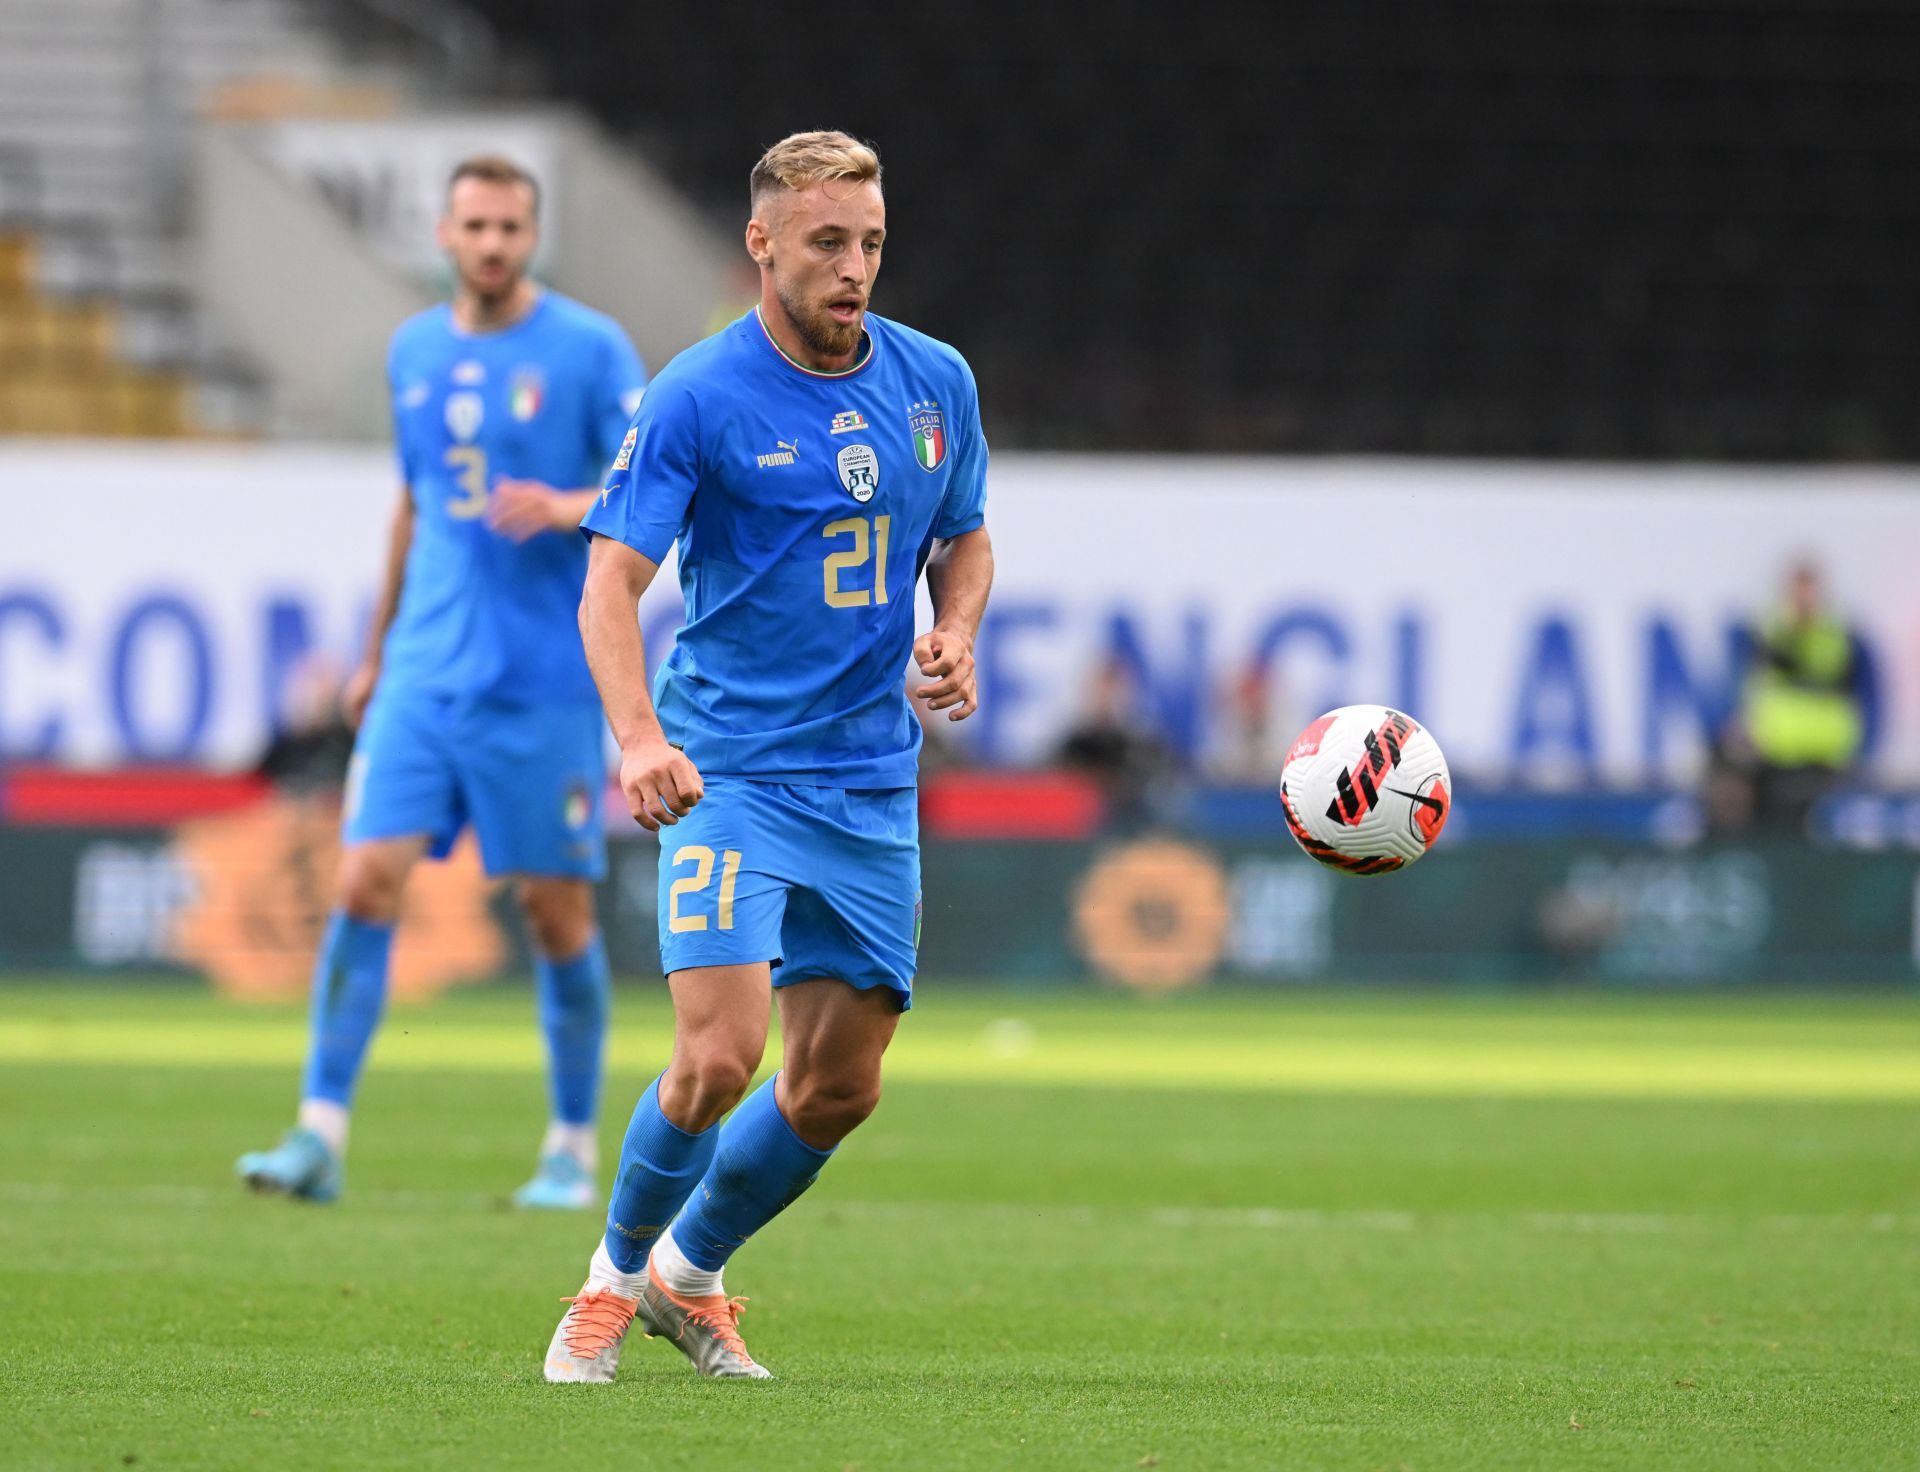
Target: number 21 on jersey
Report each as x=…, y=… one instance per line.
x=869, y=540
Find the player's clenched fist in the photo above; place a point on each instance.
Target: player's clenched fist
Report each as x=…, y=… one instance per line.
x=946, y=659
x=358, y=693
x=661, y=785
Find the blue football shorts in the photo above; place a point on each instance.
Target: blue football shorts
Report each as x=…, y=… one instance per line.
x=820, y=881
x=528, y=778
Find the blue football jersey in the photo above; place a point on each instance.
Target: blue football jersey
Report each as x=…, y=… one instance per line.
x=805, y=505
x=546, y=399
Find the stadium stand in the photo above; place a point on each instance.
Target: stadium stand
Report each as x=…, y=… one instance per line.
x=1607, y=228
x=98, y=333
x=1646, y=229
x=60, y=370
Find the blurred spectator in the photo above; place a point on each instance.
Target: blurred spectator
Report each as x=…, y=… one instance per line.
x=1112, y=743
x=1245, y=755
x=1801, y=721
x=312, y=743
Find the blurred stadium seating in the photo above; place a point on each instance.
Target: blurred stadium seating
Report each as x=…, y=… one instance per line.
x=98, y=334
x=1612, y=228
x=1605, y=228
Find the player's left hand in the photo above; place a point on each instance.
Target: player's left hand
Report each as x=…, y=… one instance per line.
x=946, y=659
x=524, y=508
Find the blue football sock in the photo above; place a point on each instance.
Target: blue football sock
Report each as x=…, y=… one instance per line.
x=573, y=1013
x=349, y=991
x=660, y=1164
x=759, y=1170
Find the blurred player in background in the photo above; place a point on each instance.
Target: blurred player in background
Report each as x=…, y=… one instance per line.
x=478, y=706
x=810, y=460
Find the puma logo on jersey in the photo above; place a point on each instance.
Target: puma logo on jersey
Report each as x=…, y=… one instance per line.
x=788, y=452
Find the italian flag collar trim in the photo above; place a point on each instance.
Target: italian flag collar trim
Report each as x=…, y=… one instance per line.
x=791, y=361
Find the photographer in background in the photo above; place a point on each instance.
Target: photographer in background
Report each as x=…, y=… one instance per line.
x=312, y=742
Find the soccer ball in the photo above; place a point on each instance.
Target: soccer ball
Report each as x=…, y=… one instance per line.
x=1366, y=789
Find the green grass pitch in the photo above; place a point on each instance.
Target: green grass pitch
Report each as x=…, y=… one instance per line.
x=1084, y=1231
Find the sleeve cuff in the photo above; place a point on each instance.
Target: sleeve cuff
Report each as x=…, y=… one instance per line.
x=653, y=549
x=947, y=531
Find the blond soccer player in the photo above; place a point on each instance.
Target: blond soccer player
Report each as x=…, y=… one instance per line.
x=810, y=461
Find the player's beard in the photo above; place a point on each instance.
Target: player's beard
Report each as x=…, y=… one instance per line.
x=818, y=330
x=491, y=295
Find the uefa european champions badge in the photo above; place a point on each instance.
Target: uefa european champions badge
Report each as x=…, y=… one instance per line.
x=529, y=391
x=929, y=428
x=464, y=413
x=859, y=471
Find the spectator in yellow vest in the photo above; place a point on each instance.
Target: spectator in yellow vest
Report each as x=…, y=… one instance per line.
x=1801, y=708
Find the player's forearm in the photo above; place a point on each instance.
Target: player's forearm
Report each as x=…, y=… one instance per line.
x=959, y=577
x=616, y=652
x=570, y=506
x=399, y=543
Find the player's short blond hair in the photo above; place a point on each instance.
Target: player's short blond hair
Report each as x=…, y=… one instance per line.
x=494, y=168
x=804, y=159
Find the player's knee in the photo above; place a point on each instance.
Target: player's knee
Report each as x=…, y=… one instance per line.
x=705, y=1084
x=828, y=1107
x=560, y=915
x=369, y=888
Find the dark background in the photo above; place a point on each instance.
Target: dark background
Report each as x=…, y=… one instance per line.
x=1595, y=228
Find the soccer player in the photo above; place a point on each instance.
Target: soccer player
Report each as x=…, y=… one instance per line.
x=478, y=706
x=810, y=460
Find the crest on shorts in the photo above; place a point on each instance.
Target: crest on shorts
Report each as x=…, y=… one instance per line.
x=577, y=807
x=859, y=471
x=929, y=428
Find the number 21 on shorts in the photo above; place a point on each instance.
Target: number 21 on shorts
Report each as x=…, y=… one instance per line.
x=701, y=857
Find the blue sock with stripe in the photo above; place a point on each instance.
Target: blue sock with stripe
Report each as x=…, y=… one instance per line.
x=573, y=1013
x=759, y=1170
x=349, y=994
x=660, y=1164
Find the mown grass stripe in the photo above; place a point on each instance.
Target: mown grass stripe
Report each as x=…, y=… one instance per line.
x=1207, y=1061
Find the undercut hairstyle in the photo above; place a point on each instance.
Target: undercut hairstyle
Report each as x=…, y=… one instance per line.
x=805, y=159
x=495, y=168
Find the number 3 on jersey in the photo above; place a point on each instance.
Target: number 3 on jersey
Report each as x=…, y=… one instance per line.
x=470, y=463
x=856, y=557
x=701, y=857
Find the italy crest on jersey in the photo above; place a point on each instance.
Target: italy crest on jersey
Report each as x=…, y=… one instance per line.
x=529, y=392
x=929, y=428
